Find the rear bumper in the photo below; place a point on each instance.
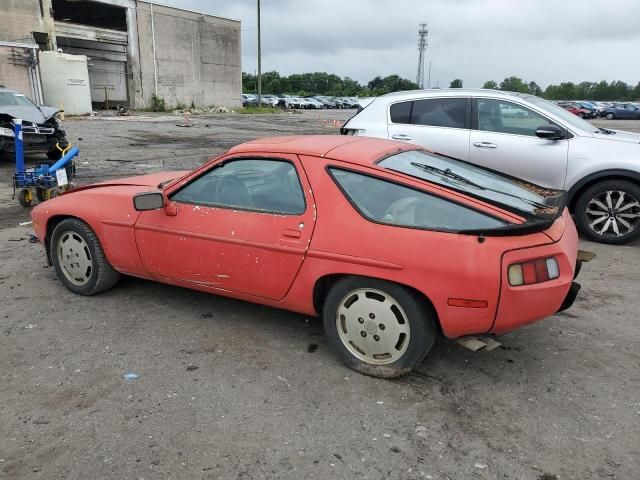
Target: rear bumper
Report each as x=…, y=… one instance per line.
x=527, y=304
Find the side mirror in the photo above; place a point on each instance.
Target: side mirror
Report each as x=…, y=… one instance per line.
x=148, y=201
x=550, y=132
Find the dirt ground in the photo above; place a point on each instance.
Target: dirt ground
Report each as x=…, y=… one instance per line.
x=229, y=390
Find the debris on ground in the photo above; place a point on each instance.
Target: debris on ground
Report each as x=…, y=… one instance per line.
x=130, y=376
x=191, y=368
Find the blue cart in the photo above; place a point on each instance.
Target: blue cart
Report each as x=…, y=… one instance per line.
x=43, y=181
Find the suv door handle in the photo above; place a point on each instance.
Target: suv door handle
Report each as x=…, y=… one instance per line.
x=484, y=145
x=401, y=136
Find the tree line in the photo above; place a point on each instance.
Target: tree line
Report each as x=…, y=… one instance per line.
x=322, y=83
x=603, y=90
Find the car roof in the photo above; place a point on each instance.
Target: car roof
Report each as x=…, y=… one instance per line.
x=453, y=92
x=358, y=150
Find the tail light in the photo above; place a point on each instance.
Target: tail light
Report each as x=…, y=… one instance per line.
x=533, y=271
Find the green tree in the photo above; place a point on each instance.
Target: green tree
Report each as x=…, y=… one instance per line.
x=490, y=84
x=534, y=89
x=514, y=84
x=457, y=83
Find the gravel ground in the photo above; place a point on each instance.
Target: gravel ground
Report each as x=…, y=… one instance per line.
x=228, y=389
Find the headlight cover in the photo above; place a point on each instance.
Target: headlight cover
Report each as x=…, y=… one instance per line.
x=6, y=132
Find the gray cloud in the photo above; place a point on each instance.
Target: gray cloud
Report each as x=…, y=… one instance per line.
x=477, y=40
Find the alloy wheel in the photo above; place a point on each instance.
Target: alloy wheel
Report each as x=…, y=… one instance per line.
x=74, y=258
x=613, y=213
x=373, y=326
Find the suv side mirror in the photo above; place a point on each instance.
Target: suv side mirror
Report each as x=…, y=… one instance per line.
x=148, y=201
x=550, y=132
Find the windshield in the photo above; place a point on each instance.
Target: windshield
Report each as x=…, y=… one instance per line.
x=14, y=99
x=512, y=193
x=560, y=112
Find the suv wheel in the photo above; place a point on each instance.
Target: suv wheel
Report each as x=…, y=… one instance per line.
x=609, y=212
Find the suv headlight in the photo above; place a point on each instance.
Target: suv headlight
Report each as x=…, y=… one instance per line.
x=6, y=132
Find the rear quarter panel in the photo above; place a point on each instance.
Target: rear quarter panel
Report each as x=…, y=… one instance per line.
x=439, y=265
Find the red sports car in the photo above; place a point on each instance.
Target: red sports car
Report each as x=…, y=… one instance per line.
x=390, y=243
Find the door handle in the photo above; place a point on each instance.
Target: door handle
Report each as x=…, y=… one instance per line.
x=401, y=136
x=291, y=233
x=484, y=145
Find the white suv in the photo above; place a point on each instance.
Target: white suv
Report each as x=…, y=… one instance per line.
x=526, y=137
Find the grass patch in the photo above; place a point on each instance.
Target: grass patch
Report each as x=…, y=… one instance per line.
x=255, y=110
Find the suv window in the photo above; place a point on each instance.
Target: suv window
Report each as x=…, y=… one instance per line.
x=386, y=202
x=401, y=112
x=440, y=112
x=261, y=185
x=506, y=117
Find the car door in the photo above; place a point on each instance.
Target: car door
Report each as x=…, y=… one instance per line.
x=243, y=226
x=503, y=138
x=438, y=124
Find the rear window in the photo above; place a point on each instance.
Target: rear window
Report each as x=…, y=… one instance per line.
x=401, y=112
x=513, y=194
x=433, y=112
x=386, y=202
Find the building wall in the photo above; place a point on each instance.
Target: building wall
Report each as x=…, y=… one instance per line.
x=21, y=17
x=198, y=58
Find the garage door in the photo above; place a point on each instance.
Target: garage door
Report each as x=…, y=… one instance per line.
x=108, y=81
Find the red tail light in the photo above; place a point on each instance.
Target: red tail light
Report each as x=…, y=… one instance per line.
x=533, y=271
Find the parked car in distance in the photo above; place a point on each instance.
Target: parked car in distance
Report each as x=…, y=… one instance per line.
x=545, y=145
x=315, y=103
x=577, y=110
x=325, y=101
x=41, y=130
x=458, y=249
x=628, y=111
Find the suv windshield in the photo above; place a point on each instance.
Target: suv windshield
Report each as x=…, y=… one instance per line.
x=14, y=99
x=565, y=115
x=513, y=194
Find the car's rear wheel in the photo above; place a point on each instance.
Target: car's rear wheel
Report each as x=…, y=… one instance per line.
x=378, y=328
x=609, y=212
x=79, y=260
x=610, y=116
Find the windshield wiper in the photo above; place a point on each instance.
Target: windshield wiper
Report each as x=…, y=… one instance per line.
x=606, y=131
x=449, y=174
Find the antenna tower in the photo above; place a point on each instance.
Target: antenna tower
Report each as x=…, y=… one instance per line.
x=423, y=34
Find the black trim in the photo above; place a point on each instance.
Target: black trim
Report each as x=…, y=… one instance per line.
x=486, y=233
x=241, y=209
x=571, y=296
x=616, y=172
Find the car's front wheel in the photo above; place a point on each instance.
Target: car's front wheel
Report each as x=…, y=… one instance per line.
x=610, y=116
x=378, y=328
x=609, y=212
x=79, y=260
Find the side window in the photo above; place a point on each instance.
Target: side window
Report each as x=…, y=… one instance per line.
x=401, y=112
x=386, y=202
x=261, y=185
x=506, y=117
x=440, y=112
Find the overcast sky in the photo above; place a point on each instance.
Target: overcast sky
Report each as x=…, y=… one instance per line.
x=547, y=41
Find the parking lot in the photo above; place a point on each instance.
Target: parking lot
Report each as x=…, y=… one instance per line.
x=227, y=389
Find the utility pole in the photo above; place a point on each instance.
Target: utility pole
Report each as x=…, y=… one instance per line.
x=423, y=33
x=429, y=77
x=259, y=62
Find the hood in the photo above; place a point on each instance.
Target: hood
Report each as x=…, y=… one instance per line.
x=150, y=181
x=30, y=114
x=49, y=112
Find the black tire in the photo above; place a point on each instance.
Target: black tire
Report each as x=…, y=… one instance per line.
x=419, y=315
x=54, y=154
x=25, y=197
x=584, y=219
x=102, y=277
x=610, y=116
x=41, y=194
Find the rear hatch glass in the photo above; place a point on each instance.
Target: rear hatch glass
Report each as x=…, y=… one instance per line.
x=538, y=205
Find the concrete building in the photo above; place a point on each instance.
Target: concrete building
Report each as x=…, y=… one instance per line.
x=136, y=50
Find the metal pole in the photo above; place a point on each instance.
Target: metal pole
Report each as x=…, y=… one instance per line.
x=17, y=131
x=153, y=46
x=259, y=61
x=429, y=78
